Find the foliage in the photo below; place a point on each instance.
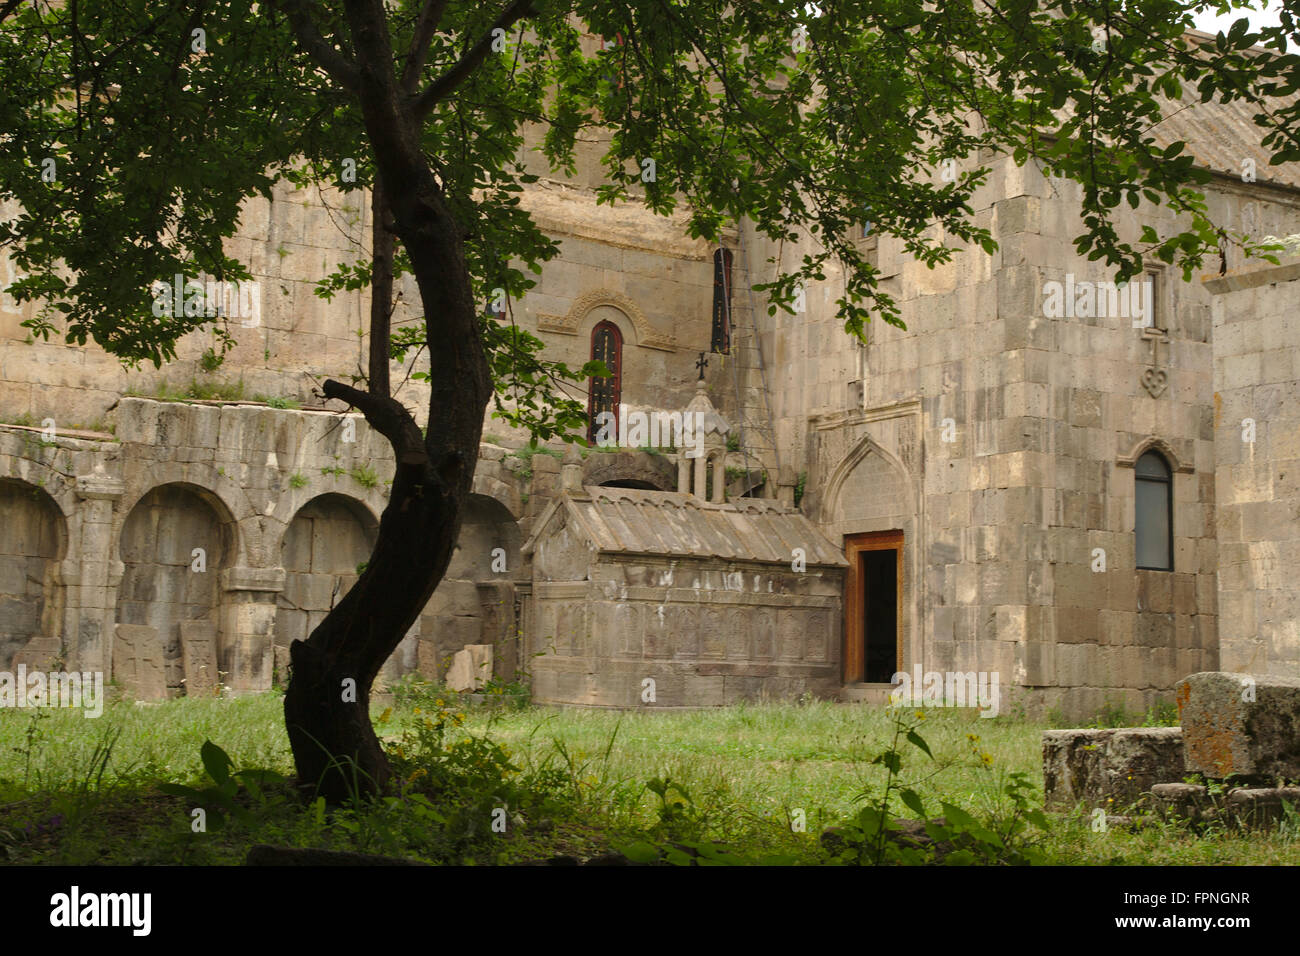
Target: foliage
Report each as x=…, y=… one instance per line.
x=365, y=476
x=806, y=121
x=230, y=790
x=479, y=791
x=744, y=767
x=875, y=837
x=679, y=839
x=210, y=361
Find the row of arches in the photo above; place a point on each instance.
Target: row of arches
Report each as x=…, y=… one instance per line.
x=175, y=545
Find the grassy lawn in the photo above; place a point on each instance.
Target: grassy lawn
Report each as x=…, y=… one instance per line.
x=765, y=780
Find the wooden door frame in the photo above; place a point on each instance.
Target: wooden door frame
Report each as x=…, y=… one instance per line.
x=855, y=646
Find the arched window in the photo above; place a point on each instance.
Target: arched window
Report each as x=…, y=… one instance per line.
x=1155, y=513
x=603, y=394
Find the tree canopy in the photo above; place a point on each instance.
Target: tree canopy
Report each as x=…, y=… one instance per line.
x=157, y=121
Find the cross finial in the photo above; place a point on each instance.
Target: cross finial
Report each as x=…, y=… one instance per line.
x=701, y=365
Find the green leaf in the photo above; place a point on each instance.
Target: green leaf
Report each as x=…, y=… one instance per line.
x=912, y=801
x=959, y=821
x=678, y=858
x=890, y=759
x=641, y=852
x=916, y=740
x=215, y=762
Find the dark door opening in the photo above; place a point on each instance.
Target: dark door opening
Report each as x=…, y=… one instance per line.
x=880, y=613
x=873, y=634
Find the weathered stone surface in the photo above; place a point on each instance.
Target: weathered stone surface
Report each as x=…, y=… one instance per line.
x=199, y=657
x=646, y=470
x=41, y=653
x=1227, y=733
x=1109, y=768
x=1257, y=808
x=471, y=667
x=281, y=664
x=138, y=662
x=1182, y=801
x=1256, y=346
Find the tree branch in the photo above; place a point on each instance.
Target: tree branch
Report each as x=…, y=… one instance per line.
x=340, y=69
x=421, y=37
x=444, y=85
x=387, y=416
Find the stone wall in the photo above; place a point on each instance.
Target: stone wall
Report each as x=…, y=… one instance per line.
x=1257, y=452
x=1002, y=440
x=227, y=529
x=623, y=265
x=295, y=340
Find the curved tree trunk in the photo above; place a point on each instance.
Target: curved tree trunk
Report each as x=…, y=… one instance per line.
x=334, y=745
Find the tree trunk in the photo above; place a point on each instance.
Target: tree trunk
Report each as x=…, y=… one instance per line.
x=381, y=291
x=326, y=706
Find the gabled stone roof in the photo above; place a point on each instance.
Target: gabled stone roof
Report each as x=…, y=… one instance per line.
x=632, y=521
x=1221, y=136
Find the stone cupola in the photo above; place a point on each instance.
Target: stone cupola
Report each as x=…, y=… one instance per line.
x=707, y=443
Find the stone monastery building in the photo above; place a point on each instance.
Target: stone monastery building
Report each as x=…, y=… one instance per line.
x=1027, y=481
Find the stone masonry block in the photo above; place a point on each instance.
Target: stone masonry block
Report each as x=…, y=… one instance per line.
x=1237, y=724
x=1109, y=768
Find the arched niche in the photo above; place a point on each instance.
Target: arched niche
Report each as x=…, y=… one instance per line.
x=174, y=544
x=489, y=540
x=475, y=601
x=33, y=540
x=328, y=538
x=630, y=469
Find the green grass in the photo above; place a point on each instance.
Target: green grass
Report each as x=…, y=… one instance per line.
x=577, y=778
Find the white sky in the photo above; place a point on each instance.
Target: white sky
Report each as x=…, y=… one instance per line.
x=1264, y=14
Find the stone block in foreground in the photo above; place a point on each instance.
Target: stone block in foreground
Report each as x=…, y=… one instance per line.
x=1240, y=725
x=1109, y=768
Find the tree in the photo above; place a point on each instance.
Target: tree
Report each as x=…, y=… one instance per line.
x=806, y=119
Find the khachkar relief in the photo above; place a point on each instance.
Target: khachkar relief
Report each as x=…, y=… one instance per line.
x=1154, y=377
x=570, y=322
x=908, y=446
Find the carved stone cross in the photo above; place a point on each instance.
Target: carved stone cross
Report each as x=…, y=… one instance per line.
x=1154, y=378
